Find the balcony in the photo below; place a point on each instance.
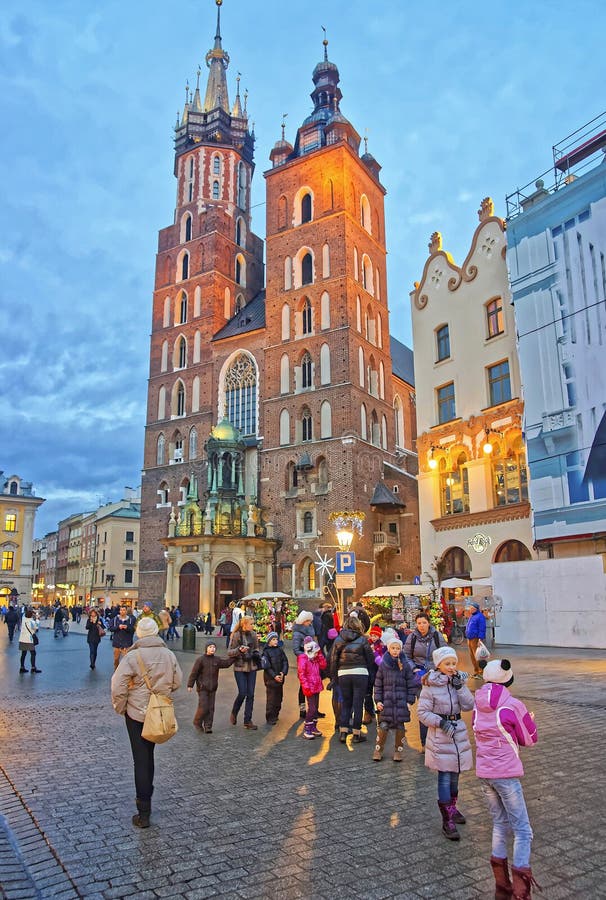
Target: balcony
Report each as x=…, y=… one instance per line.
x=383, y=542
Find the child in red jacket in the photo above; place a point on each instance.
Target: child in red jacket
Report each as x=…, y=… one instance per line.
x=310, y=665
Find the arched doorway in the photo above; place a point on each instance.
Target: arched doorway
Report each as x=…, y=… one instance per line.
x=229, y=585
x=456, y=564
x=189, y=591
x=512, y=551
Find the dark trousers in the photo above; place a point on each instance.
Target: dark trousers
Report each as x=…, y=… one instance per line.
x=206, y=708
x=92, y=649
x=143, y=759
x=11, y=629
x=311, y=715
x=246, y=691
x=353, y=689
x=32, y=658
x=275, y=692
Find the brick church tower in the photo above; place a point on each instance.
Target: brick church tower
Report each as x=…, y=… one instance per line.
x=268, y=410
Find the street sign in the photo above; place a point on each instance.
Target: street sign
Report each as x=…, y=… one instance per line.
x=417, y=579
x=345, y=563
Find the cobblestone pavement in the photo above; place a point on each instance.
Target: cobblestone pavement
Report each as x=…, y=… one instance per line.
x=266, y=814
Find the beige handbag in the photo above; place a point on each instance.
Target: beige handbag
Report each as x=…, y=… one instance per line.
x=160, y=722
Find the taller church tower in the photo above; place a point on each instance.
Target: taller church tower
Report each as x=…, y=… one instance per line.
x=209, y=267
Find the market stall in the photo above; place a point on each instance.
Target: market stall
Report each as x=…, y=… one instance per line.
x=271, y=611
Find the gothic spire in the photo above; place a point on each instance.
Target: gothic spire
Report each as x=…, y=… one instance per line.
x=217, y=61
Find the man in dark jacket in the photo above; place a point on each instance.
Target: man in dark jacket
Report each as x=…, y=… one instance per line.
x=58, y=621
x=122, y=628
x=205, y=675
x=12, y=619
x=475, y=632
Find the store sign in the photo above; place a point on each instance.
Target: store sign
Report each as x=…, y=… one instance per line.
x=479, y=542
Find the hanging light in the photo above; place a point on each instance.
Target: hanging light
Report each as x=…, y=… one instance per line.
x=433, y=463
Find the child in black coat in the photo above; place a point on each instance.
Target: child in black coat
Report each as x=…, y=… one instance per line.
x=275, y=668
x=205, y=675
x=394, y=692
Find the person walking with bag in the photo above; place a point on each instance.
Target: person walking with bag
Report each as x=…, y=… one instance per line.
x=148, y=667
x=475, y=632
x=94, y=633
x=443, y=696
x=245, y=652
x=28, y=639
x=502, y=725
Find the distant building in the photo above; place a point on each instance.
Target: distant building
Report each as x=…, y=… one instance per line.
x=18, y=505
x=556, y=238
x=274, y=402
x=473, y=484
x=115, y=575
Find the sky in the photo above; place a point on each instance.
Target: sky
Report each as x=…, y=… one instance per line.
x=459, y=101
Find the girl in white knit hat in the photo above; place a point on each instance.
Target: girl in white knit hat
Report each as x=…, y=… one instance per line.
x=444, y=696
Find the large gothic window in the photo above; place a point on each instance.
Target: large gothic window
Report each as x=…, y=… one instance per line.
x=240, y=385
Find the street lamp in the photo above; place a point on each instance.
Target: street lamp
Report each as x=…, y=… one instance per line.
x=346, y=523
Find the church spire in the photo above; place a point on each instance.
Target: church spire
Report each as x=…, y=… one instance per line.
x=217, y=61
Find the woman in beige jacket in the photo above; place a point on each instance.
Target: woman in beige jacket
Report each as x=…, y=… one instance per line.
x=130, y=697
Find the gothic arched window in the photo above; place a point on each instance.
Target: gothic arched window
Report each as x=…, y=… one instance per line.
x=306, y=316
x=306, y=371
x=307, y=269
x=215, y=190
x=160, y=448
x=185, y=267
x=240, y=384
x=305, y=208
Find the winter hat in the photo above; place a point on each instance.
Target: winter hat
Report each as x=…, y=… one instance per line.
x=498, y=671
x=272, y=634
x=308, y=640
x=475, y=605
x=394, y=640
x=376, y=630
x=310, y=647
x=146, y=627
x=332, y=633
x=442, y=653
x=304, y=616
x=389, y=635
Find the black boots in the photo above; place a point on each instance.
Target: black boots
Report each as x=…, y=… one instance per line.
x=141, y=819
x=503, y=887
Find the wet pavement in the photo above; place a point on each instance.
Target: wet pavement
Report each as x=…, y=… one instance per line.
x=266, y=814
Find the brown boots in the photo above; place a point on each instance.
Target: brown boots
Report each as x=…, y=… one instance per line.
x=141, y=819
x=523, y=882
x=380, y=744
x=400, y=744
x=503, y=886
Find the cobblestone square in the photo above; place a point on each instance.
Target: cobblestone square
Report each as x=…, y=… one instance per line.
x=266, y=814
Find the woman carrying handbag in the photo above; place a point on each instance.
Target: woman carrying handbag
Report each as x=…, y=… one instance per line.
x=94, y=632
x=28, y=639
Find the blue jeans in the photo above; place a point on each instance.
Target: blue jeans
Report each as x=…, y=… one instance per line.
x=246, y=691
x=505, y=799
x=448, y=786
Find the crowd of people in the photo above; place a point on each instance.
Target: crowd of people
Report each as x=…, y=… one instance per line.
x=374, y=674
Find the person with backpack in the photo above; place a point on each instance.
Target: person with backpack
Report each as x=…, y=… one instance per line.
x=418, y=649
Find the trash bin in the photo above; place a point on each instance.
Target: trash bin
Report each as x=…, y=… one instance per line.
x=189, y=637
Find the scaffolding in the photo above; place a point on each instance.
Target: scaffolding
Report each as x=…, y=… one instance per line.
x=572, y=156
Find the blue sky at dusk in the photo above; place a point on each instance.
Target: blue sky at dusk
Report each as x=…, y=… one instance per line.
x=459, y=101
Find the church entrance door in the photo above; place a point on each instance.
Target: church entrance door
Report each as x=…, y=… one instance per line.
x=229, y=585
x=189, y=592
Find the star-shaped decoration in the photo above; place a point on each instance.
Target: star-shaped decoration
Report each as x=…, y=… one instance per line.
x=324, y=564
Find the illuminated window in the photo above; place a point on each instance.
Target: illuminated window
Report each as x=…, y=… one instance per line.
x=10, y=522
x=8, y=560
x=510, y=478
x=499, y=385
x=443, y=342
x=494, y=317
x=454, y=487
x=446, y=402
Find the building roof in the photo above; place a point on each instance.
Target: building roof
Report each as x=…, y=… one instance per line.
x=123, y=512
x=402, y=361
x=250, y=318
x=382, y=496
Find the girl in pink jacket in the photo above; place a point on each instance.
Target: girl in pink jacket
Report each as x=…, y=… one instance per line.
x=310, y=665
x=502, y=725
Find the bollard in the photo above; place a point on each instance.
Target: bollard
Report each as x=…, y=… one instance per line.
x=189, y=637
